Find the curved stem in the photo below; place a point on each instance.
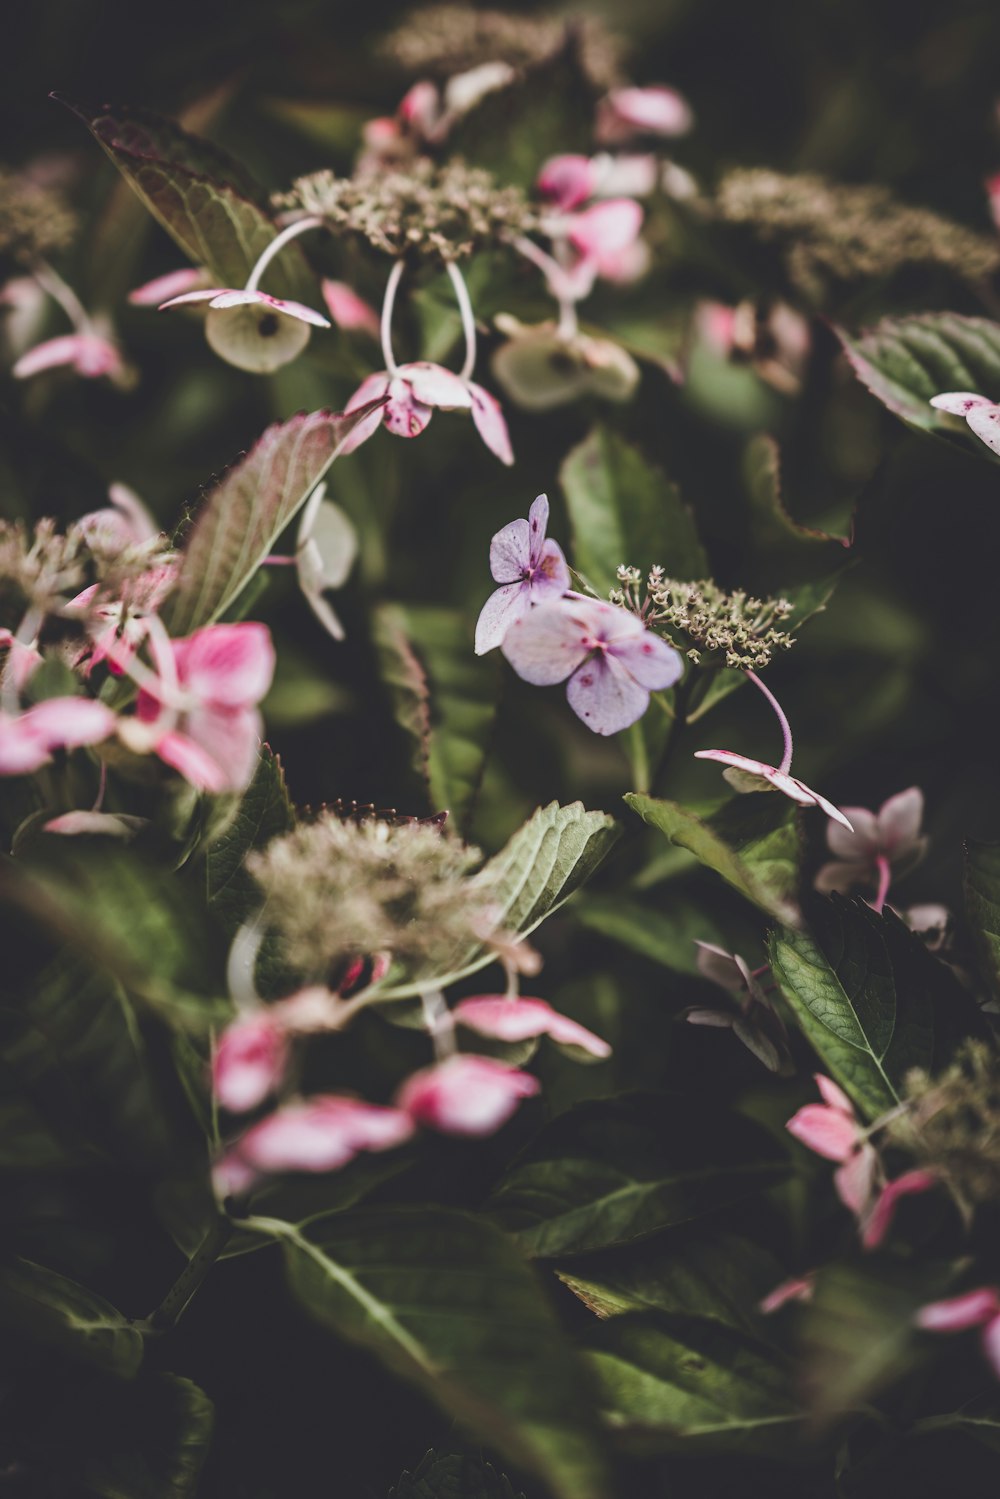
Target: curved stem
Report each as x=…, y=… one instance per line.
x=786, y=758
x=568, y=325
x=277, y=244
x=169, y=1311
x=385, y=326
x=884, y=881
x=440, y=1025
x=468, y=318
x=51, y=282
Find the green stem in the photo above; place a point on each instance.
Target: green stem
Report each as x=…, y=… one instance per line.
x=184, y=1288
x=681, y=696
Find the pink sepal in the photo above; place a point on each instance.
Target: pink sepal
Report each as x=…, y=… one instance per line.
x=879, y=1220
x=957, y=1313
x=519, y=1019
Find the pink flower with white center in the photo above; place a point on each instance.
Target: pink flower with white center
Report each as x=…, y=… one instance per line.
x=28, y=740
x=612, y=661
x=881, y=844
x=249, y=1062
x=348, y=310
x=87, y=353
x=979, y=1308
x=832, y=1130
x=529, y=569
x=522, y=1019
x=981, y=415
x=465, y=1095
x=172, y=284
x=200, y=713
x=754, y=1022
x=655, y=110
x=318, y=1134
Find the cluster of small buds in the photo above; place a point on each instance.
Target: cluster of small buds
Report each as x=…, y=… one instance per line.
x=952, y=1123
x=34, y=219
x=745, y=628
x=441, y=213
x=443, y=40
x=41, y=568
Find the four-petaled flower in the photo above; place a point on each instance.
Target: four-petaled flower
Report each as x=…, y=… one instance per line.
x=250, y=329
x=529, y=569
x=745, y=774
x=414, y=390
x=982, y=415
x=881, y=843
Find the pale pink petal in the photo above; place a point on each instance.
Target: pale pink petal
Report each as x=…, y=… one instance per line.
x=194, y=763
x=22, y=659
x=991, y=1344
x=799, y=1289
x=162, y=288
x=605, y=695
x=603, y=231
x=841, y=876
x=433, y=385
x=404, y=415
x=370, y=389
x=228, y=736
x=66, y=722
x=348, y=310
x=96, y=824
x=863, y=843
x=420, y=106
x=322, y=1134
x=566, y=181
x=519, y=1019
x=656, y=110
x=985, y=423
x=833, y=1094
x=722, y=1019
x=957, y=1313
x=959, y=402
x=854, y=1181
x=490, y=423
x=206, y=294
x=880, y=1218
x=648, y=659
x=547, y=644
x=510, y=552
x=826, y=1131
x=899, y=821
x=501, y=609
x=249, y=1062
x=821, y=802
x=277, y=304
x=466, y=1095
x=21, y=749
x=227, y=665
x=88, y=354
x=624, y=176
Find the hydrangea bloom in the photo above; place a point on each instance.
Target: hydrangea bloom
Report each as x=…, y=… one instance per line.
x=529, y=569
x=465, y=1095
x=612, y=661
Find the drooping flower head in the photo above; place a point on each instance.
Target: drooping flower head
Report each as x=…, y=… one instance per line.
x=529, y=568
x=250, y=329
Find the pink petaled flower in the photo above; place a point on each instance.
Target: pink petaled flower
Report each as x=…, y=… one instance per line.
x=249, y=1062
x=529, y=569
x=119, y=626
x=878, y=1220
x=613, y=662
x=979, y=1308
x=606, y=235
x=414, y=391
x=319, y=1134
x=982, y=415
x=832, y=1130
x=28, y=740
x=754, y=1022
x=250, y=329
x=87, y=354
x=521, y=1019
x=21, y=660
x=348, y=310
x=173, y=284
x=202, y=719
x=745, y=774
x=465, y=1095
x=881, y=843
x=566, y=181
x=800, y=1288
x=656, y=110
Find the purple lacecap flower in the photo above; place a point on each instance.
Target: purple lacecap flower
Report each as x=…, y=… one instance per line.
x=529, y=569
x=612, y=661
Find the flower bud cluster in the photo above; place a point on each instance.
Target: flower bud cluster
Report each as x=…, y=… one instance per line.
x=953, y=1122
x=746, y=629
x=34, y=220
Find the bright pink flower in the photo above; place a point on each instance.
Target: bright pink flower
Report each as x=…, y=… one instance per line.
x=249, y=1062
x=878, y=843
x=88, y=354
x=348, y=310
x=521, y=1019
x=173, y=284
x=119, y=626
x=656, y=110
x=27, y=740
x=606, y=235
x=321, y=1134
x=613, y=662
x=800, y=1288
x=206, y=724
x=979, y=1308
x=465, y=1095
x=754, y=775
x=832, y=1130
x=982, y=415
x=529, y=569
x=879, y=1220
x=414, y=391
x=566, y=181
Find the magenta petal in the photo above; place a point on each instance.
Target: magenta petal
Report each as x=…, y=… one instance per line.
x=404, y=414
x=228, y=665
x=605, y=696
x=466, y=1095
x=826, y=1131
x=647, y=658
x=548, y=643
x=880, y=1219
x=501, y=609
x=433, y=385
x=510, y=552
x=172, y=284
x=520, y=1019
x=957, y=1313
x=249, y=1063
x=490, y=423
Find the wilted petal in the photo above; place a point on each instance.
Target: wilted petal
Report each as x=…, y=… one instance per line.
x=249, y=1062
x=548, y=643
x=758, y=1043
x=433, y=385
x=501, y=609
x=719, y=967
x=370, y=389
x=985, y=423
x=227, y=665
x=880, y=1218
x=826, y=1131
x=519, y=1019
x=490, y=423
x=404, y=415
x=466, y=1095
x=605, y=695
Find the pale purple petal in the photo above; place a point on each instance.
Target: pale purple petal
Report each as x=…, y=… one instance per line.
x=510, y=552
x=606, y=696
x=538, y=525
x=959, y=402
x=490, y=423
x=985, y=423
x=863, y=843
x=649, y=659
x=433, y=385
x=522, y=1018
x=899, y=821
x=404, y=415
x=719, y=967
x=548, y=643
x=551, y=577
x=957, y=1313
x=348, y=310
x=501, y=609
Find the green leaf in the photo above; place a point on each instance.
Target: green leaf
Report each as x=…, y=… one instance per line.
x=241, y=518
x=265, y=812
x=840, y=981
x=55, y=1312
x=446, y=1302
x=160, y=1445
x=905, y=361
x=666, y=1382
x=608, y=1172
x=454, y=1476
x=623, y=510
x=790, y=552
x=715, y=1275
x=858, y=1333
x=752, y=841
x=444, y=696
x=662, y=932
x=204, y=199
x=982, y=901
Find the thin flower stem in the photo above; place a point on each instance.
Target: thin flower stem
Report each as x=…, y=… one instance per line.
x=884, y=881
x=171, y=1308
x=277, y=244
x=568, y=326
x=786, y=729
x=468, y=319
x=439, y=1022
x=385, y=326
x=102, y=786
x=51, y=282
